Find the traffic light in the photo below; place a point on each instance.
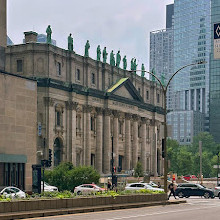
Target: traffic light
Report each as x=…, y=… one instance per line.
x=50, y=158
x=163, y=148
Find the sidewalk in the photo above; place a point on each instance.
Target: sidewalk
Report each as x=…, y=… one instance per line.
x=53, y=212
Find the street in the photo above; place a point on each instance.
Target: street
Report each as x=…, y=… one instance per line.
x=196, y=208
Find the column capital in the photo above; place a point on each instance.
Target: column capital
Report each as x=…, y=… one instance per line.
x=49, y=101
x=128, y=116
x=116, y=113
x=136, y=117
x=99, y=111
x=107, y=112
x=70, y=105
x=143, y=120
x=87, y=108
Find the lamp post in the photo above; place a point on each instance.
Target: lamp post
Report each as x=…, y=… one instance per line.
x=165, y=88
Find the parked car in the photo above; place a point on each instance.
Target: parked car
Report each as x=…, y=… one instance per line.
x=87, y=189
x=188, y=189
x=153, y=184
x=48, y=188
x=217, y=191
x=138, y=186
x=12, y=192
x=188, y=177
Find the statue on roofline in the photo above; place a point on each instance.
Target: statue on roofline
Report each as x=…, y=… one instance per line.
x=98, y=53
x=70, y=43
x=104, y=55
x=87, y=46
x=49, y=33
x=118, y=59
x=124, y=63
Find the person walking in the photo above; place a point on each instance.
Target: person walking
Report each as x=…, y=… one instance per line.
x=172, y=190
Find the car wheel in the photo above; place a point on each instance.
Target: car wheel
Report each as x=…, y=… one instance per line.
x=219, y=195
x=206, y=195
x=180, y=195
x=79, y=193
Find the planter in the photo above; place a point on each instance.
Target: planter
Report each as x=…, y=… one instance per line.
x=41, y=204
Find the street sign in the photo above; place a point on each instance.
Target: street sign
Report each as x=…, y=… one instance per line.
x=39, y=128
x=217, y=41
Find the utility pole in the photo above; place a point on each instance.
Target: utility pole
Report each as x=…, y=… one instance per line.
x=217, y=168
x=200, y=154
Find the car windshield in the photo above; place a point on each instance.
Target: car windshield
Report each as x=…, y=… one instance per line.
x=201, y=186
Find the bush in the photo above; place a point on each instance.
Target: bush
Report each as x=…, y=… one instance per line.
x=66, y=177
x=138, y=171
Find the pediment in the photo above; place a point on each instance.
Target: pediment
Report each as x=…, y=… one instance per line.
x=125, y=89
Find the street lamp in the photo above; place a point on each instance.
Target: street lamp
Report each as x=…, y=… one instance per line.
x=165, y=88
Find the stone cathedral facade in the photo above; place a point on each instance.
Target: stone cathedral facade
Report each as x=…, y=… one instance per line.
x=82, y=103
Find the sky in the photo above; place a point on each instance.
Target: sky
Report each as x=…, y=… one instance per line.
x=123, y=25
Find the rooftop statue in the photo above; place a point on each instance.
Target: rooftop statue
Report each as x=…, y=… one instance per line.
x=112, y=58
x=87, y=46
x=104, y=55
x=142, y=70
x=98, y=53
x=70, y=43
x=124, y=63
x=135, y=66
x=49, y=33
x=132, y=64
x=118, y=59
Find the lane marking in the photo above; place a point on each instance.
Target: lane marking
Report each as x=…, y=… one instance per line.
x=159, y=213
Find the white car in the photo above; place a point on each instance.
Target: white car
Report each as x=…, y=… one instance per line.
x=151, y=183
x=138, y=186
x=12, y=192
x=48, y=188
x=87, y=189
x=217, y=191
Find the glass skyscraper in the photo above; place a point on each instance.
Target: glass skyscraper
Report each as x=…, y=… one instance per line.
x=214, y=77
x=191, y=85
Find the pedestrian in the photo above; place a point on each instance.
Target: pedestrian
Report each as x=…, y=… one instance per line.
x=158, y=185
x=172, y=190
x=109, y=186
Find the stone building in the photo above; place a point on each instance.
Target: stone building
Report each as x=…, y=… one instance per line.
x=83, y=103
x=18, y=118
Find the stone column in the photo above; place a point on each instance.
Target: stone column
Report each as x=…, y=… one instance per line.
x=99, y=140
x=107, y=140
x=3, y=31
x=135, y=141
x=87, y=114
x=143, y=143
x=115, y=137
x=127, y=141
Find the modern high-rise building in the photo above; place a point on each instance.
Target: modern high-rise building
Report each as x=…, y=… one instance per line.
x=214, y=77
x=191, y=86
x=161, y=51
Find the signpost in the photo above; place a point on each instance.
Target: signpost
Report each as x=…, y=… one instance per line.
x=217, y=41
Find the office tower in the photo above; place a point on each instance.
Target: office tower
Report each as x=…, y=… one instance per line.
x=214, y=77
x=161, y=51
x=191, y=86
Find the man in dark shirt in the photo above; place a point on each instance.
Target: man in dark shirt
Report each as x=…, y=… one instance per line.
x=172, y=190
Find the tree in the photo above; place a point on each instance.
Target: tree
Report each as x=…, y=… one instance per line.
x=66, y=176
x=138, y=171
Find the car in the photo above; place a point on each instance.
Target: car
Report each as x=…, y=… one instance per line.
x=189, y=177
x=153, y=184
x=138, y=186
x=12, y=192
x=48, y=187
x=217, y=191
x=188, y=189
x=87, y=189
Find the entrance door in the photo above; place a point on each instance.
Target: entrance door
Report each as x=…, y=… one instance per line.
x=57, y=151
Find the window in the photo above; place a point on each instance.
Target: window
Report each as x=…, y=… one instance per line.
x=58, y=119
x=78, y=74
x=139, y=90
x=93, y=78
x=158, y=98
x=19, y=66
x=58, y=68
x=147, y=94
x=92, y=124
x=120, y=127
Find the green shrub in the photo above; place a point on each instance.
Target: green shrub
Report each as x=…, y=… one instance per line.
x=66, y=177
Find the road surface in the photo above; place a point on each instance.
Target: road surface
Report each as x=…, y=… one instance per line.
x=196, y=208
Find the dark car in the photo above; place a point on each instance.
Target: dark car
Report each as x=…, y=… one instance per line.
x=188, y=189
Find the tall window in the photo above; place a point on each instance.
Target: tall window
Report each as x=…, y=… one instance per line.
x=19, y=66
x=139, y=90
x=147, y=95
x=59, y=115
x=58, y=68
x=78, y=74
x=92, y=124
x=93, y=78
x=158, y=98
x=58, y=119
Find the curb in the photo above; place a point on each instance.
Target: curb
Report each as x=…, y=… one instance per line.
x=52, y=212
